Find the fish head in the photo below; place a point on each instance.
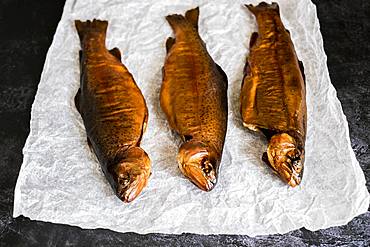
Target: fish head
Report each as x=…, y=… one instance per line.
x=285, y=158
x=199, y=163
x=131, y=174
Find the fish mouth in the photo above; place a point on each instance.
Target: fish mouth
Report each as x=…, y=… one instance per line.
x=202, y=175
x=195, y=163
x=131, y=174
x=285, y=158
x=130, y=182
x=291, y=173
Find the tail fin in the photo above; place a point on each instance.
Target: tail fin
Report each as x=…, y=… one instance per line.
x=95, y=26
x=191, y=17
x=263, y=7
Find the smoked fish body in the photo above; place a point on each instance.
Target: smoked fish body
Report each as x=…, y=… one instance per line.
x=194, y=99
x=114, y=112
x=273, y=94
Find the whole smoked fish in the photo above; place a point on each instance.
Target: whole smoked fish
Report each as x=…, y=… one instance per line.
x=273, y=94
x=194, y=99
x=114, y=112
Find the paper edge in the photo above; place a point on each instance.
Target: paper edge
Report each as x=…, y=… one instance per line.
x=17, y=208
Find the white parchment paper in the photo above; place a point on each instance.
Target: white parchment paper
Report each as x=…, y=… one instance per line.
x=60, y=180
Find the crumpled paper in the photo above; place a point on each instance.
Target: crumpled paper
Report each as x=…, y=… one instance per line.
x=61, y=181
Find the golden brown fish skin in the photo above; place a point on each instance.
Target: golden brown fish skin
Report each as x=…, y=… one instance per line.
x=114, y=112
x=273, y=94
x=194, y=99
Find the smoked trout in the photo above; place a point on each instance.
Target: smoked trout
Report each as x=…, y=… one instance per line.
x=194, y=99
x=114, y=112
x=273, y=94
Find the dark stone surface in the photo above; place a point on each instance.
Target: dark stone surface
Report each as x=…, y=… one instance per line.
x=26, y=31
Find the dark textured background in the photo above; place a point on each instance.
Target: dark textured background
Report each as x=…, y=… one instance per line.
x=26, y=32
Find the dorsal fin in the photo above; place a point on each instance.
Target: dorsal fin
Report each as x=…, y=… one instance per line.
x=301, y=67
x=77, y=99
x=80, y=56
x=223, y=74
x=192, y=16
x=115, y=52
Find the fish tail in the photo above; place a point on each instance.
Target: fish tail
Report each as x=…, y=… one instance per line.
x=192, y=16
x=189, y=20
x=262, y=7
x=89, y=27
